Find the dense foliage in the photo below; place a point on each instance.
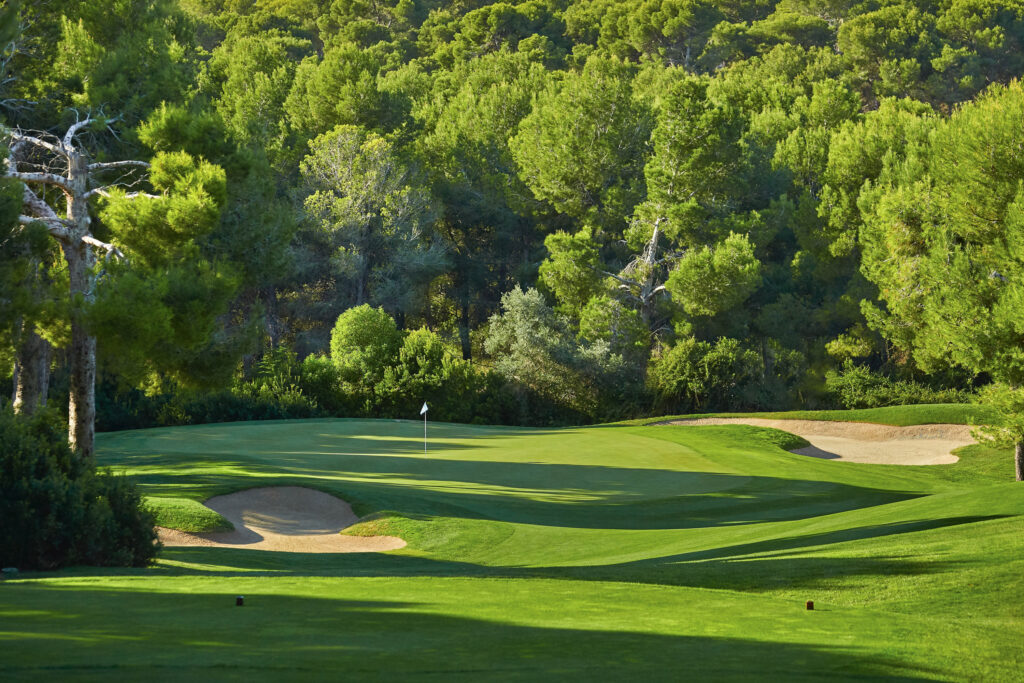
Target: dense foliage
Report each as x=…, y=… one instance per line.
x=543, y=211
x=57, y=510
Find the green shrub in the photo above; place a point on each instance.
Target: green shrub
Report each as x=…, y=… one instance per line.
x=427, y=370
x=856, y=386
x=533, y=349
x=320, y=381
x=696, y=375
x=364, y=342
x=57, y=510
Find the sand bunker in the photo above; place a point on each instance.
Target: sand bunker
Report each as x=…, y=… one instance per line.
x=284, y=518
x=862, y=441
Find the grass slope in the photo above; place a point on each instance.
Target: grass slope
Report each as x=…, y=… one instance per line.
x=186, y=514
x=897, y=416
x=661, y=552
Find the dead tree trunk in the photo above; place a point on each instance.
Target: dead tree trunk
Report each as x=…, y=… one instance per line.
x=72, y=232
x=81, y=355
x=639, y=280
x=647, y=271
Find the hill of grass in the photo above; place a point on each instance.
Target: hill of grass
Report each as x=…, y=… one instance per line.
x=623, y=551
x=897, y=416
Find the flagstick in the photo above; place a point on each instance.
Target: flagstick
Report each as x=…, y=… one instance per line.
x=423, y=412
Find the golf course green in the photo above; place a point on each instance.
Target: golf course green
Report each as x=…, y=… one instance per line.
x=619, y=552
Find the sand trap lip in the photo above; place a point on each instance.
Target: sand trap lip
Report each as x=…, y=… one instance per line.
x=283, y=518
x=862, y=441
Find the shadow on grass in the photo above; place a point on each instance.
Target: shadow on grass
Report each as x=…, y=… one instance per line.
x=828, y=538
x=782, y=563
x=578, y=496
x=197, y=635
x=743, y=567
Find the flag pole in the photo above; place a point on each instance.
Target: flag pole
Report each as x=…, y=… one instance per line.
x=423, y=412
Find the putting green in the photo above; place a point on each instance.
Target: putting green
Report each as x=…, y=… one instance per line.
x=659, y=552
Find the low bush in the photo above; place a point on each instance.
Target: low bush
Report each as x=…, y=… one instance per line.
x=856, y=386
x=58, y=510
x=694, y=375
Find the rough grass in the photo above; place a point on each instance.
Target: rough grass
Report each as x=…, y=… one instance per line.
x=626, y=552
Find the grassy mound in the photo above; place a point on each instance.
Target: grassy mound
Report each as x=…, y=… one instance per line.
x=627, y=551
x=185, y=514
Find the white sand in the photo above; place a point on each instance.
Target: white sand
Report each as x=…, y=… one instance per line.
x=283, y=518
x=863, y=441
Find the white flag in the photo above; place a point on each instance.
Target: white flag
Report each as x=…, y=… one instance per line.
x=424, y=409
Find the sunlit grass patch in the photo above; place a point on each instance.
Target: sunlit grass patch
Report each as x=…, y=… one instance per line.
x=185, y=514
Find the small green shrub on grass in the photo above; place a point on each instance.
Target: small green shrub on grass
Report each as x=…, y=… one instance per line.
x=57, y=510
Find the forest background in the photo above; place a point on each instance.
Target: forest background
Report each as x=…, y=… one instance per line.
x=546, y=212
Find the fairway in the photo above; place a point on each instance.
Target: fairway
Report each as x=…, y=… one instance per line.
x=619, y=551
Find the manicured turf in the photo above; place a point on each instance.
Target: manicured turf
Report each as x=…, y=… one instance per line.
x=607, y=552
x=899, y=416
x=187, y=515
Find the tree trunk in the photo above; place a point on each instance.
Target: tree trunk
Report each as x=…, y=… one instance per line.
x=82, y=402
x=647, y=285
x=1018, y=459
x=44, y=382
x=467, y=345
x=82, y=354
x=32, y=379
x=14, y=379
x=269, y=296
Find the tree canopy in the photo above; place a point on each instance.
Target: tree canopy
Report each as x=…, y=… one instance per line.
x=592, y=207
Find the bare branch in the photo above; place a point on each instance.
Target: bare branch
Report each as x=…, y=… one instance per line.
x=38, y=142
x=110, y=129
x=630, y=295
x=57, y=229
x=106, y=165
x=40, y=208
x=105, y=192
x=110, y=248
x=624, y=281
x=674, y=256
x=42, y=178
x=73, y=131
x=16, y=103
